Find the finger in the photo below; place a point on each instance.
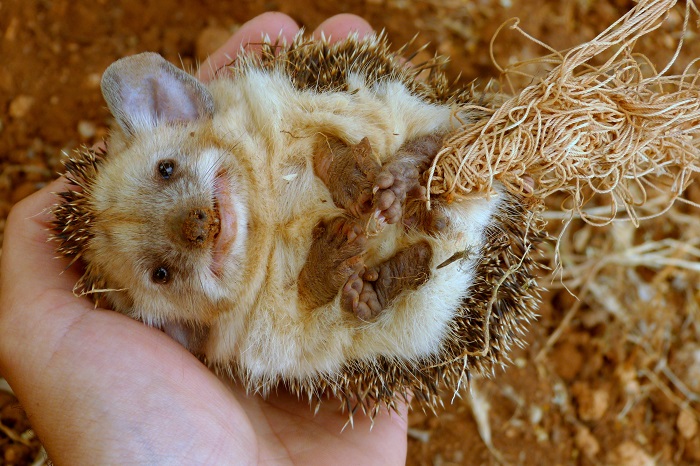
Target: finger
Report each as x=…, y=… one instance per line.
x=29, y=257
x=341, y=26
x=271, y=24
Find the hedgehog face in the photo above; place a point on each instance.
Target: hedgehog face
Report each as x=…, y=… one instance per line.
x=176, y=216
x=169, y=203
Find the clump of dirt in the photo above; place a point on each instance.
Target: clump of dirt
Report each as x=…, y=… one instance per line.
x=18, y=444
x=609, y=377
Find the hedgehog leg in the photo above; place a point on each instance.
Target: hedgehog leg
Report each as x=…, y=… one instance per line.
x=335, y=255
x=360, y=184
x=368, y=293
x=348, y=171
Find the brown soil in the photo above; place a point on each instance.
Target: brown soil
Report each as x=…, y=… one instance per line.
x=610, y=379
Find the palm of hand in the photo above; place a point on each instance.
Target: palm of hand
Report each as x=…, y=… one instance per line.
x=133, y=392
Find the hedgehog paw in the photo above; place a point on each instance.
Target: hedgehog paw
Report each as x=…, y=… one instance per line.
x=368, y=293
x=334, y=257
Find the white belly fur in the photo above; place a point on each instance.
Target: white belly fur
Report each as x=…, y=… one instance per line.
x=274, y=338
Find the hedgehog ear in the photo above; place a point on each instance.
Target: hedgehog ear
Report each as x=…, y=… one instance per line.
x=144, y=90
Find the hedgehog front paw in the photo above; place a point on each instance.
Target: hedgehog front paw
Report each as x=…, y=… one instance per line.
x=393, y=184
x=398, y=193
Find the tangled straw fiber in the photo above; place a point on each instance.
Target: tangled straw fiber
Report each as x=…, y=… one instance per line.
x=621, y=129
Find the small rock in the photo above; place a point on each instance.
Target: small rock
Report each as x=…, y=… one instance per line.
x=560, y=396
x=93, y=80
x=586, y=442
x=629, y=454
x=535, y=414
x=568, y=360
x=627, y=376
x=419, y=434
x=668, y=41
x=17, y=454
x=11, y=31
x=592, y=403
x=20, y=105
x=686, y=424
x=541, y=435
x=86, y=129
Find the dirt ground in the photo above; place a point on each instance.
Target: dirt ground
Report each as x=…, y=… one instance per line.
x=610, y=378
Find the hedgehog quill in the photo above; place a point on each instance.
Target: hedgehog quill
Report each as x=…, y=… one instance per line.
x=275, y=222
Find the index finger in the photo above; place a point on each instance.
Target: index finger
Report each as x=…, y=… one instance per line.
x=340, y=26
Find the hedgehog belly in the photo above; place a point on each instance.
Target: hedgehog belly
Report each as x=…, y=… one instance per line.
x=462, y=321
x=492, y=317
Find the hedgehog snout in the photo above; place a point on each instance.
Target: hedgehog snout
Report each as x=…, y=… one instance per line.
x=197, y=227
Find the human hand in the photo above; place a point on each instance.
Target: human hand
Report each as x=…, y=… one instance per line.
x=100, y=388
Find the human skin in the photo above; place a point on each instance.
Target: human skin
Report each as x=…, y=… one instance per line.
x=100, y=388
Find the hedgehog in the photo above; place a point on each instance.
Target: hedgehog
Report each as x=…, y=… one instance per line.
x=275, y=222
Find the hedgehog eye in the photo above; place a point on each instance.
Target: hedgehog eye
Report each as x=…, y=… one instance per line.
x=160, y=275
x=166, y=168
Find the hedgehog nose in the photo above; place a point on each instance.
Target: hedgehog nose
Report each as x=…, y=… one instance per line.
x=200, y=227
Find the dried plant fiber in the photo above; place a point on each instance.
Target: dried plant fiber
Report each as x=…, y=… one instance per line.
x=620, y=130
